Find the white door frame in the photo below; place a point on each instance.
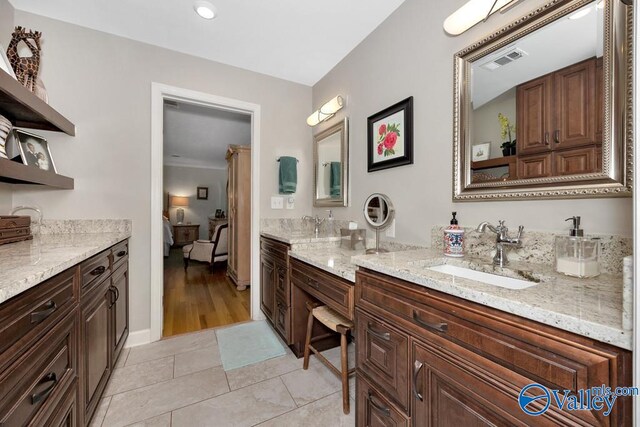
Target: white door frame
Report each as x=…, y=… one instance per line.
x=160, y=92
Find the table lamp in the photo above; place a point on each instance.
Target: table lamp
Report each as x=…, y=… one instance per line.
x=179, y=201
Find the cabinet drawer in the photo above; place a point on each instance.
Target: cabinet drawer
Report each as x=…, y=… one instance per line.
x=275, y=249
x=28, y=316
x=95, y=268
x=373, y=410
x=119, y=254
x=554, y=358
x=38, y=380
x=382, y=355
x=282, y=281
x=336, y=293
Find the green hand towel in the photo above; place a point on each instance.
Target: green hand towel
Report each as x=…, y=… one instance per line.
x=334, y=179
x=288, y=175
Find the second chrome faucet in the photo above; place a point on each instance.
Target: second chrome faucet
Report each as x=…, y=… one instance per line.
x=502, y=240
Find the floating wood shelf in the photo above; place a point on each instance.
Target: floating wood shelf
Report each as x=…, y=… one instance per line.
x=17, y=173
x=493, y=163
x=24, y=109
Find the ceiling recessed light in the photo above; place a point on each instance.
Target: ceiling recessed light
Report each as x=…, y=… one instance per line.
x=205, y=9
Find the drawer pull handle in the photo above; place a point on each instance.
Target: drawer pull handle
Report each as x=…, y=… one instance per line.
x=417, y=366
x=98, y=270
x=39, y=316
x=380, y=408
x=37, y=397
x=312, y=283
x=382, y=335
x=440, y=327
x=556, y=137
x=121, y=254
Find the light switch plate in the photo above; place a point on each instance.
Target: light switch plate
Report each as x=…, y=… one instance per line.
x=391, y=231
x=290, y=202
x=277, y=202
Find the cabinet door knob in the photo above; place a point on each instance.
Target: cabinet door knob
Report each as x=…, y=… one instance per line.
x=556, y=137
x=546, y=138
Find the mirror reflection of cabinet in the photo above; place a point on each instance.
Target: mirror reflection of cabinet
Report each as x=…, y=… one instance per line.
x=331, y=166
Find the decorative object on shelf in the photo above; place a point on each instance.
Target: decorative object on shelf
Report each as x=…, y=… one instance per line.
x=180, y=202
x=5, y=130
x=34, y=150
x=5, y=65
x=480, y=151
x=474, y=11
x=328, y=110
x=203, y=193
x=26, y=68
x=219, y=213
x=390, y=137
x=507, y=130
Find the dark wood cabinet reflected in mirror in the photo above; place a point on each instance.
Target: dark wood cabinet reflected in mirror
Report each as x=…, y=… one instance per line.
x=542, y=106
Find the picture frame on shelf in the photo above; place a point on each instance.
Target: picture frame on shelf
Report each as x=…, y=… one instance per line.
x=390, y=137
x=202, y=193
x=34, y=150
x=5, y=65
x=480, y=152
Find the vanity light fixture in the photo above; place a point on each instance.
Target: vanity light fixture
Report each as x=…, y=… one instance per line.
x=205, y=9
x=473, y=12
x=328, y=110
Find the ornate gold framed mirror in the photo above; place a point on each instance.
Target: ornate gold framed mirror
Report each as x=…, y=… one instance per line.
x=543, y=108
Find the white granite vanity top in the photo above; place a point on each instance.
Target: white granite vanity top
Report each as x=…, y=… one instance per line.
x=25, y=264
x=334, y=260
x=297, y=237
x=588, y=307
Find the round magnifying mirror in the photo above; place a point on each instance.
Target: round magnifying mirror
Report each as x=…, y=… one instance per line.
x=379, y=213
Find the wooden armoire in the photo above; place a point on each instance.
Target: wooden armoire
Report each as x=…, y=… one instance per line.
x=239, y=206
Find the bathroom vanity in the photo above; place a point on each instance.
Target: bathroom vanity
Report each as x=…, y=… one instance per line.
x=64, y=304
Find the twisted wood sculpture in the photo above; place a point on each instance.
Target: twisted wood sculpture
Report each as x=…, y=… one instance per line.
x=26, y=68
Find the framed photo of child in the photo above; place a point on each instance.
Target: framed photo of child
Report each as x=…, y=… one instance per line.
x=34, y=150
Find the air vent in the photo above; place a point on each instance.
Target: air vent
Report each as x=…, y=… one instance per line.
x=504, y=59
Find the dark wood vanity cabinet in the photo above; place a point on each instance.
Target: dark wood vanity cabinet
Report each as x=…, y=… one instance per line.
x=275, y=296
x=60, y=340
x=560, y=119
x=425, y=358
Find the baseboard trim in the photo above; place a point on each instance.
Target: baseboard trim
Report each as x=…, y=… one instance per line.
x=137, y=338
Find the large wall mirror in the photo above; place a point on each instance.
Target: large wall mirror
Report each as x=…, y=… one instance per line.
x=331, y=166
x=543, y=106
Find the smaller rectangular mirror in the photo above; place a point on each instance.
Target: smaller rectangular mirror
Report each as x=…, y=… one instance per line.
x=331, y=166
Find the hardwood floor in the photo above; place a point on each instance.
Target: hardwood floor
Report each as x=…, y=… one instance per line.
x=199, y=298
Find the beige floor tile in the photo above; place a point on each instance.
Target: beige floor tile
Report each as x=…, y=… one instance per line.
x=271, y=368
x=313, y=384
x=171, y=346
x=197, y=360
x=326, y=412
x=157, y=399
x=140, y=375
x=98, y=416
x=123, y=357
x=245, y=407
x=159, y=421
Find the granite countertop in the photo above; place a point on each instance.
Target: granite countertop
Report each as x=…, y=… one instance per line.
x=334, y=260
x=297, y=237
x=25, y=264
x=588, y=307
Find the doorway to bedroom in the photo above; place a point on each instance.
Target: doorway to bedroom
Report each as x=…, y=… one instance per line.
x=206, y=170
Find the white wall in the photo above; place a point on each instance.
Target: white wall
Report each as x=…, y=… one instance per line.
x=485, y=125
x=103, y=84
x=410, y=54
x=183, y=181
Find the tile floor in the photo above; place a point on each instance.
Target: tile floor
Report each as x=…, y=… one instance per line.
x=180, y=382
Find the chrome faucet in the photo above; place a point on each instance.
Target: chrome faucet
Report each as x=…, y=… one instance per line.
x=317, y=222
x=502, y=240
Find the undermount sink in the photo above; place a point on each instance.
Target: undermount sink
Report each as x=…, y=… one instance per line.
x=479, y=276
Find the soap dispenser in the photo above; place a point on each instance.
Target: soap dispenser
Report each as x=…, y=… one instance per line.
x=577, y=255
x=454, y=238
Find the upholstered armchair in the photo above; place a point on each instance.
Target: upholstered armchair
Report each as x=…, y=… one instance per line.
x=210, y=251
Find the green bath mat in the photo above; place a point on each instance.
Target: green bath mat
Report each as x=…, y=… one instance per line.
x=247, y=344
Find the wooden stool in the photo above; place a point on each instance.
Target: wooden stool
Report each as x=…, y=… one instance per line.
x=341, y=325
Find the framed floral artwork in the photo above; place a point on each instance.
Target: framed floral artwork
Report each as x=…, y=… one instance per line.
x=390, y=137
